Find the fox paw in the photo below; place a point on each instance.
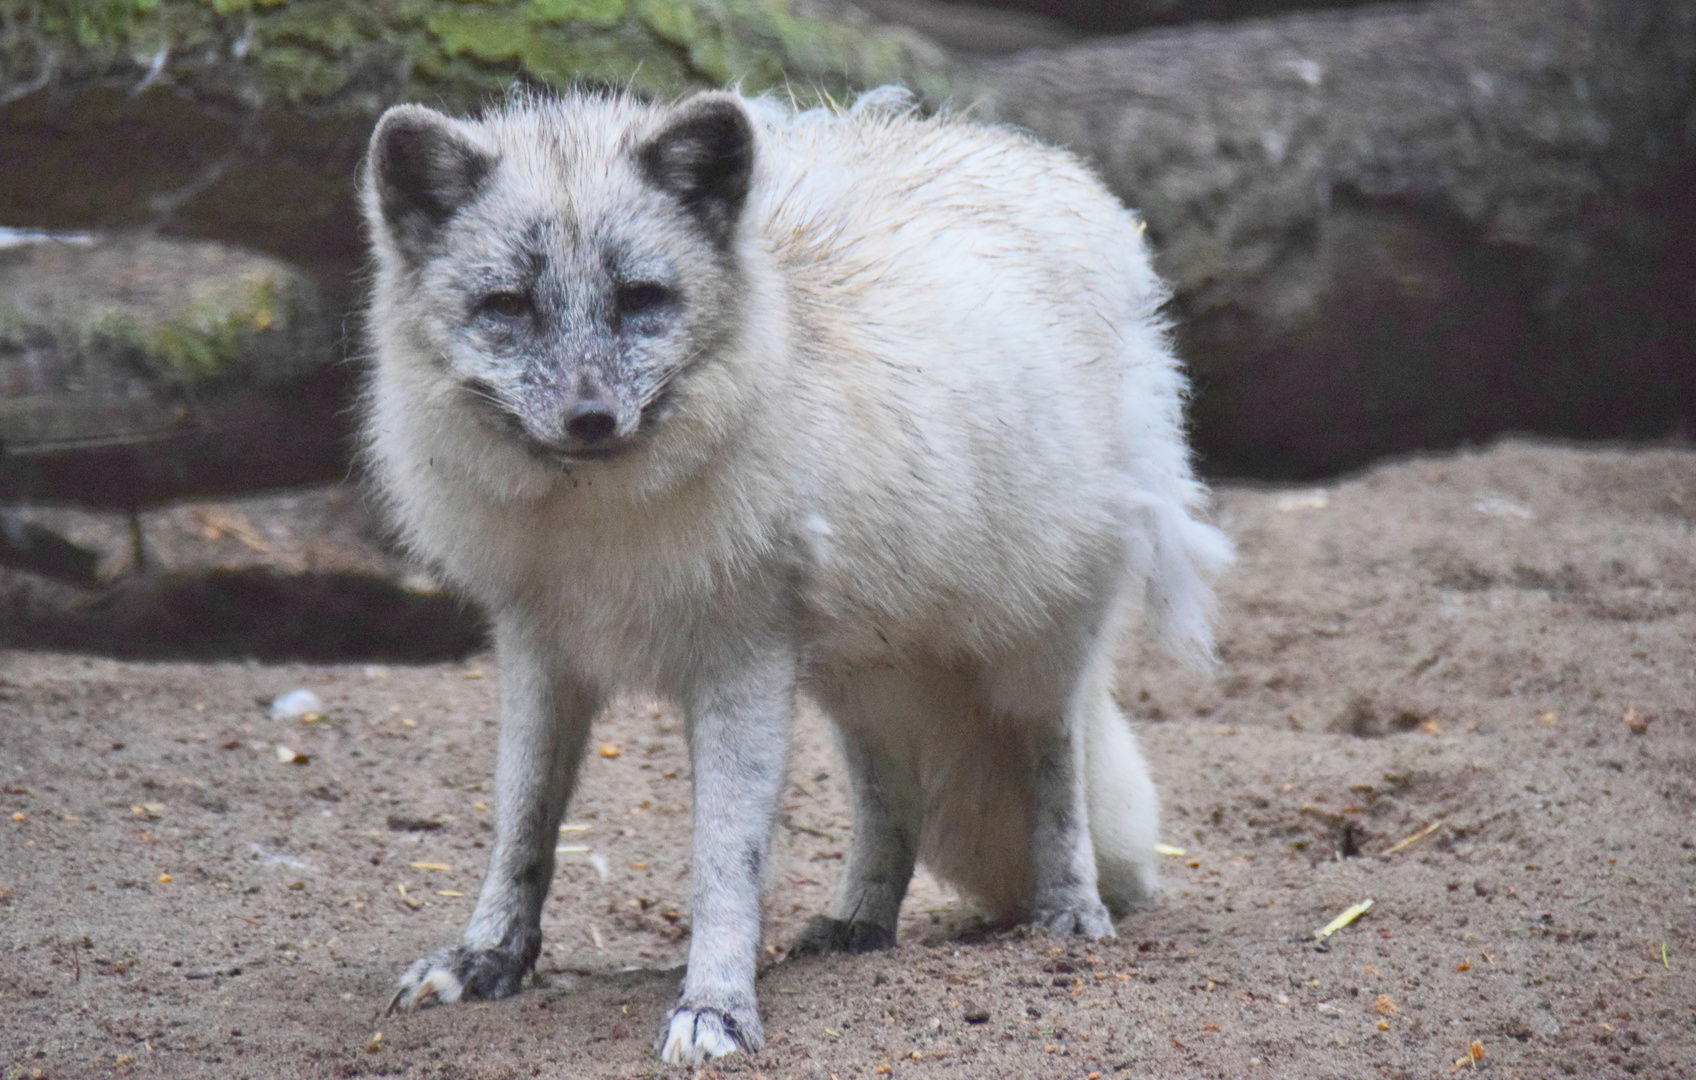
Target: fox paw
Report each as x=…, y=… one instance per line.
x=461, y=973
x=1088, y=920
x=694, y=1034
x=824, y=934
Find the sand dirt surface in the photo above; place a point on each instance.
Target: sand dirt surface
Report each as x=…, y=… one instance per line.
x=1495, y=649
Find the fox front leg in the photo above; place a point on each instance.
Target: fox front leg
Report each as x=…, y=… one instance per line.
x=738, y=745
x=545, y=715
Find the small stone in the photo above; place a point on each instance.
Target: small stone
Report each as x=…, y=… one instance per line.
x=297, y=704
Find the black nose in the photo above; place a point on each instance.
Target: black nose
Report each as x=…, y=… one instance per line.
x=591, y=422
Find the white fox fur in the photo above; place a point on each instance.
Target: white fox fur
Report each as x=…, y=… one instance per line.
x=883, y=412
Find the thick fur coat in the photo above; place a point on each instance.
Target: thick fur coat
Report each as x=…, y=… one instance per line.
x=729, y=403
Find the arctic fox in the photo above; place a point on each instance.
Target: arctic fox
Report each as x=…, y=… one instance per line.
x=730, y=403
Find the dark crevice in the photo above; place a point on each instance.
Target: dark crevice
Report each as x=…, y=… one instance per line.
x=242, y=614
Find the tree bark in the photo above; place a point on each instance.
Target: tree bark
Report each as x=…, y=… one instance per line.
x=1405, y=227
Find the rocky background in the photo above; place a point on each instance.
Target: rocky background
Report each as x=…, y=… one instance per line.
x=1388, y=228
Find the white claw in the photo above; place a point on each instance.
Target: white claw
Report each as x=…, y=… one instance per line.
x=438, y=986
x=693, y=1038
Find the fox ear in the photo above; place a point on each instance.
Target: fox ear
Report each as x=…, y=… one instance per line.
x=704, y=157
x=422, y=169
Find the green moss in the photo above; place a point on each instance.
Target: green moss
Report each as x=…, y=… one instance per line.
x=303, y=74
x=331, y=27
x=671, y=21
x=312, y=51
x=230, y=7
x=89, y=23
x=13, y=330
x=520, y=39
x=205, y=339
x=588, y=12
x=482, y=33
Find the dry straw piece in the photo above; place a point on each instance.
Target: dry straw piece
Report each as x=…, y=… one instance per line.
x=1409, y=841
x=1344, y=919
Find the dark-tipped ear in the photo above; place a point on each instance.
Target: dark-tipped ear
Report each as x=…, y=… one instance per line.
x=704, y=156
x=422, y=169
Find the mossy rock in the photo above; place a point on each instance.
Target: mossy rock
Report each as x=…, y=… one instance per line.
x=136, y=368
x=107, y=339
x=356, y=55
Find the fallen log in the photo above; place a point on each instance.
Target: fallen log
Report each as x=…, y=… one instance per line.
x=244, y=122
x=1398, y=228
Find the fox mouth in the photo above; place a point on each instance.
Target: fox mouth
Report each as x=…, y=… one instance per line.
x=568, y=454
x=499, y=417
x=585, y=453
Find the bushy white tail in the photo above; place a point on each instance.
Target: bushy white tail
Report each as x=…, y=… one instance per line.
x=1170, y=550
x=1124, y=811
x=1172, y=553
x=1179, y=602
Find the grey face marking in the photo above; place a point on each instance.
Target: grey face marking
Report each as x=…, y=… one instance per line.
x=569, y=292
x=572, y=338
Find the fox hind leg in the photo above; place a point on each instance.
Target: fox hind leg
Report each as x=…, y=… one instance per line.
x=888, y=812
x=1066, y=895
x=1050, y=699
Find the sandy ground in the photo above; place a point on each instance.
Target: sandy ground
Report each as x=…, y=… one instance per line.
x=1501, y=643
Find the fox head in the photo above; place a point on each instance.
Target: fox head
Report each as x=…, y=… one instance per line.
x=560, y=265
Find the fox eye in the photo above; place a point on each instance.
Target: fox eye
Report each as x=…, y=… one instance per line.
x=640, y=297
x=508, y=305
